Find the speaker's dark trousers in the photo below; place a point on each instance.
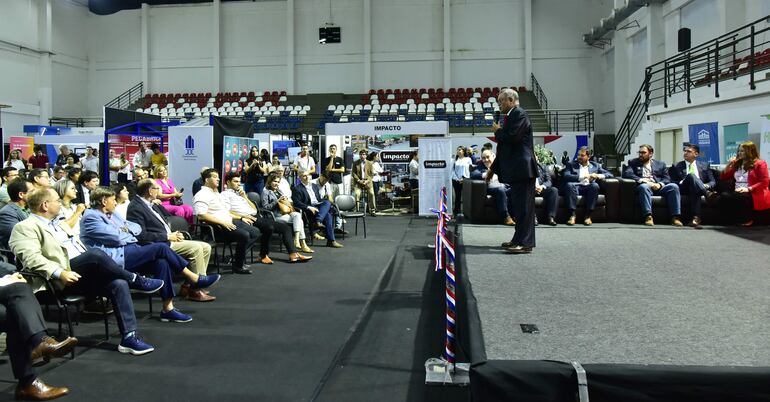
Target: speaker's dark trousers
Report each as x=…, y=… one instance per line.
x=522, y=199
x=693, y=187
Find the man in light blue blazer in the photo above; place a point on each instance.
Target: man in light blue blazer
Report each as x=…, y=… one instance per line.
x=101, y=228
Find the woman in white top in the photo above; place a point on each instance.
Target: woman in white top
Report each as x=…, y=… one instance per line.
x=121, y=197
x=14, y=160
x=70, y=213
x=460, y=171
x=125, y=169
x=377, y=170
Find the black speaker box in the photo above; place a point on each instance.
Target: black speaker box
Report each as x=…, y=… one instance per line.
x=684, y=39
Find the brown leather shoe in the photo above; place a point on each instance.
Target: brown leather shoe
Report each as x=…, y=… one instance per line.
x=676, y=222
x=571, y=220
x=198, y=296
x=518, y=250
x=297, y=257
x=184, y=290
x=39, y=391
x=334, y=244
x=648, y=221
x=587, y=221
x=48, y=348
x=695, y=221
x=508, y=221
x=266, y=260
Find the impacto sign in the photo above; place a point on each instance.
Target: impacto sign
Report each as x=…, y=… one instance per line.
x=386, y=128
x=395, y=156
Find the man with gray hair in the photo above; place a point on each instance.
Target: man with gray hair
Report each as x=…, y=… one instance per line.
x=515, y=165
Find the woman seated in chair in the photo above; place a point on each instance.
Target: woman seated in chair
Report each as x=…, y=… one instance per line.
x=280, y=205
x=170, y=198
x=751, y=193
x=70, y=212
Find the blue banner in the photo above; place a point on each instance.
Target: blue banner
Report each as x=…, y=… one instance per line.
x=705, y=136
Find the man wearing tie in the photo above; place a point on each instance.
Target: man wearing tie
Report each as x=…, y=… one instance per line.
x=694, y=178
x=516, y=166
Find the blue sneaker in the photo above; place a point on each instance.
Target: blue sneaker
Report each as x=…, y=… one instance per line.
x=175, y=316
x=146, y=285
x=205, y=281
x=134, y=346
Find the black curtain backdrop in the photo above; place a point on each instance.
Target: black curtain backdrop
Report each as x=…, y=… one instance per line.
x=230, y=127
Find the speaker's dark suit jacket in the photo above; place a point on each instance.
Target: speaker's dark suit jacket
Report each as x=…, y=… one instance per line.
x=634, y=171
x=679, y=172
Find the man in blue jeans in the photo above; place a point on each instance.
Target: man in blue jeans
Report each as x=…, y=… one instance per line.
x=652, y=178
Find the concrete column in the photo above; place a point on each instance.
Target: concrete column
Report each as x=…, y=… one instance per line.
x=447, y=61
x=656, y=34
x=216, y=51
x=527, y=42
x=732, y=14
x=290, y=66
x=367, y=46
x=145, y=46
x=45, y=44
x=621, y=54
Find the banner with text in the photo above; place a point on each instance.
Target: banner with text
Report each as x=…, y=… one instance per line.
x=435, y=156
x=764, y=139
x=705, y=135
x=734, y=135
x=189, y=150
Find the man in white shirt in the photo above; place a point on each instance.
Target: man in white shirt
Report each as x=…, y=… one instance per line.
x=304, y=162
x=227, y=226
x=90, y=161
x=142, y=157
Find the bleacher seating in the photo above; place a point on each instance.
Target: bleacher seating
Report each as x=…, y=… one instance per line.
x=264, y=109
x=739, y=67
x=462, y=107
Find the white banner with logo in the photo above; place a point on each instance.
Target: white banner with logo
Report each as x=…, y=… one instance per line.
x=189, y=150
x=435, y=156
x=388, y=127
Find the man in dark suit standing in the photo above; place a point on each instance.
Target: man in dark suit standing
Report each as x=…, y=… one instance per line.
x=694, y=178
x=515, y=165
x=652, y=178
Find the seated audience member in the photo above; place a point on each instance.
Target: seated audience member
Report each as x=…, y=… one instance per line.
x=27, y=340
x=240, y=207
x=361, y=180
x=333, y=168
x=170, y=198
x=88, y=182
x=580, y=178
x=275, y=201
x=307, y=198
x=544, y=188
x=498, y=191
x=479, y=167
x=153, y=219
x=9, y=173
x=211, y=210
x=121, y=198
x=198, y=183
x=73, y=174
x=14, y=160
x=16, y=210
x=39, y=160
x=64, y=153
x=45, y=246
x=90, y=161
x=70, y=212
x=327, y=193
x=39, y=178
x=751, y=191
x=58, y=174
x=652, y=178
x=103, y=229
x=139, y=175
x=157, y=158
x=694, y=178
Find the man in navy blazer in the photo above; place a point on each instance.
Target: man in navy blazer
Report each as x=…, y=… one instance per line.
x=101, y=228
x=694, y=178
x=580, y=178
x=515, y=165
x=544, y=188
x=16, y=210
x=313, y=205
x=652, y=178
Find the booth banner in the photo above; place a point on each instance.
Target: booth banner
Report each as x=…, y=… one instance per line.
x=24, y=144
x=281, y=148
x=189, y=150
x=569, y=143
x=705, y=136
x=129, y=144
x=764, y=139
x=435, y=156
x=392, y=127
x=734, y=135
x=234, y=154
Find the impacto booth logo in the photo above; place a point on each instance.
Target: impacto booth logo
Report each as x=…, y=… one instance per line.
x=704, y=137
x=189, y=146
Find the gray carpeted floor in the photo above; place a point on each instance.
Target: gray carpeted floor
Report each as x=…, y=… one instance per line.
x=625, y=294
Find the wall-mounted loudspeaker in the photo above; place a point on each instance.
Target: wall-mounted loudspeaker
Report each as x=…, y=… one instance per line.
x=684, y=39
